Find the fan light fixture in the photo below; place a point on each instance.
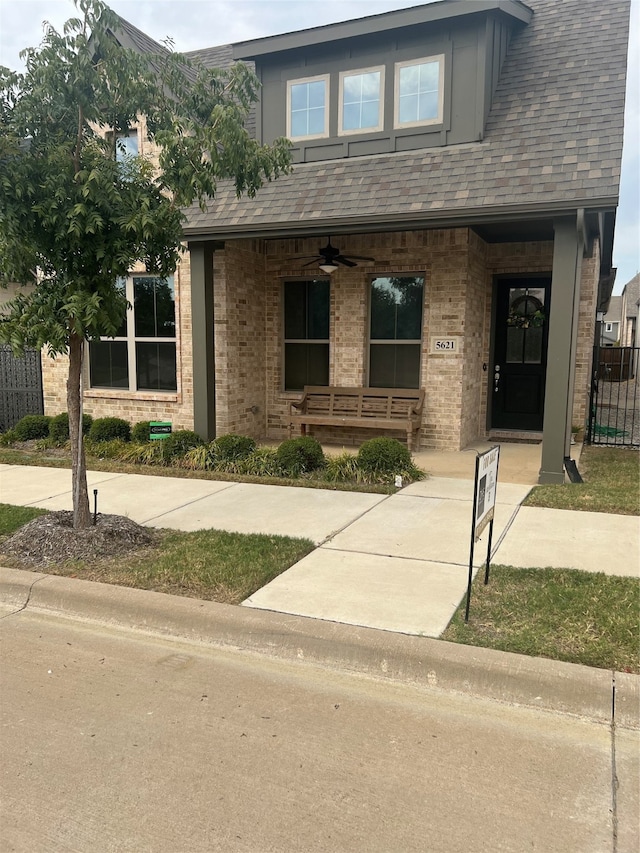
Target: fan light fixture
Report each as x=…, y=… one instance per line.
x=329, y=259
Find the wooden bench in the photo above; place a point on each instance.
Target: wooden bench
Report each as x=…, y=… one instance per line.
x=372, y=408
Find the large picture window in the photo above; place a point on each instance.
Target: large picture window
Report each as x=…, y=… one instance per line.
x=306, y=333
x=396, y=331
x=419, y=91
x=142, y=356
x=361, y=100
x=308, y=107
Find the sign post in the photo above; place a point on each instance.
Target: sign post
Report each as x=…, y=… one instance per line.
x=484, y=502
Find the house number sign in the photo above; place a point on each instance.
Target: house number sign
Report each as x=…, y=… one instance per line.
x=449, y=346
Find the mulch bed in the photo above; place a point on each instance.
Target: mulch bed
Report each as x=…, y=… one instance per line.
x=51, y=539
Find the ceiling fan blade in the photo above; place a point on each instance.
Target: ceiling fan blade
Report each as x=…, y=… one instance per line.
x=303, y=257
x=340, y=259
x=315, y=260
x=361, y=258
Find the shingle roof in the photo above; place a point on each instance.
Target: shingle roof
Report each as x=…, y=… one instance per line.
x=553, y=140
x=632, y=291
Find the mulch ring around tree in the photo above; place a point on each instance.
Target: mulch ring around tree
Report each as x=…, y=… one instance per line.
x=51, y=539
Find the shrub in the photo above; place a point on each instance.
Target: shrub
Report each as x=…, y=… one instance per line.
x=140, y=432
x=300, y=455
x=113, y=449
x=343, y=469
x=149, y=453
x=175, y=445
x=384, y=456
x=59, y=427
x=32, y=427
x=231, y=447
x=8, y=437
x=108, y=429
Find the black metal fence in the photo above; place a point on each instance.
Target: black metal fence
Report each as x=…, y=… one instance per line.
x=20, y=386
x=614, y=412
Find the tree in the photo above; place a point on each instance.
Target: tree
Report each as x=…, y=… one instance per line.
x=74, y=216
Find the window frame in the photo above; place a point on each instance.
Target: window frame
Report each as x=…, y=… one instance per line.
x=396, y=341
x=325, y=78
x=131, y=340
x=354, y=73
x=323, y=341
x=407, y=63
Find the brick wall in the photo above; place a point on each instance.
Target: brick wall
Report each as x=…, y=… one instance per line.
x=239, y=311
x=586, y=331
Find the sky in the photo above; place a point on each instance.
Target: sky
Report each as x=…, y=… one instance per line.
x=194, y=24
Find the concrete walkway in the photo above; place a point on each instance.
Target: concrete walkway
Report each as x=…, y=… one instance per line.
x=398, y=562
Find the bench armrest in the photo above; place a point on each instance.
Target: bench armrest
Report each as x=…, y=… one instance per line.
x=298, y=404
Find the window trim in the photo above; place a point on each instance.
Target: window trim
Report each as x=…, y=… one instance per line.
x=354, y=73
x=423, y=60
x=284, y=340
x=394, y=341
x=131, y=339
x=290, y=83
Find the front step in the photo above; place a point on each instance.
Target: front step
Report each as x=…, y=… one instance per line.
x=516, y=436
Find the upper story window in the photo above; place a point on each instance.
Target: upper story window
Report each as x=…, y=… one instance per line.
x=308, y=107
x=361, y=100
x=126, y=146
x=419, y=91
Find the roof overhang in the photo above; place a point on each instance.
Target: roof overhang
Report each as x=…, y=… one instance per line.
x=425, y=14
x=497, y=224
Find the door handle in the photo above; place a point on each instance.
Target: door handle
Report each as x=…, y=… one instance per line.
x=496, y=378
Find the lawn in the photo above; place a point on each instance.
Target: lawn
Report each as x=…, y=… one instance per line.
x=564, y=614
x=611, y=484
x=207, y=564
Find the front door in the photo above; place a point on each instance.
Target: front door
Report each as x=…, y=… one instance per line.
x=520, y=353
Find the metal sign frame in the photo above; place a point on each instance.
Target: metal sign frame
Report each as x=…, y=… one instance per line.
x=484, y=504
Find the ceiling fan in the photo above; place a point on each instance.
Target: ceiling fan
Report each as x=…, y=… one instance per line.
x=329, y=257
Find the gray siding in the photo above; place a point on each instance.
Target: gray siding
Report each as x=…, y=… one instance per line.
x=474, y=50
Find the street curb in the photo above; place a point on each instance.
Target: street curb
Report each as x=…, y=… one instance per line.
x=502, y=676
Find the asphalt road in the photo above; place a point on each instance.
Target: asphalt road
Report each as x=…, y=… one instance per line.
x=118, y=741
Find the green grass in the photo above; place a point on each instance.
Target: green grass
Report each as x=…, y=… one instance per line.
x=563, y=614
x=207, y=564
x=13, y=517
x=612, y=484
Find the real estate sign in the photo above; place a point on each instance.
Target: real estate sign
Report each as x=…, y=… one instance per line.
x=485, y=489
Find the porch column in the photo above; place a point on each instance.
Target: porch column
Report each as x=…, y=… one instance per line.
x=563, y=319
x=203, y=342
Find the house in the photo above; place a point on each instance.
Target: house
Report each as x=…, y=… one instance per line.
x=610, y=324
x=462, y=159
x=630, y=312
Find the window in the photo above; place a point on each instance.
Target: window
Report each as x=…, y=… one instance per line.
x=361, y=100
x=608, y=327
x=142, y=356
x=419, y=92
x=306, y=333
x=126, y=146
x=396, y=331
x=308, y=107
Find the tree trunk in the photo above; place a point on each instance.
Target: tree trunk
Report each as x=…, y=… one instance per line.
x=81, y=513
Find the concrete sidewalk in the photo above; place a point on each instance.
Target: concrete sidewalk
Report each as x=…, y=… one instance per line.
x=399, y=562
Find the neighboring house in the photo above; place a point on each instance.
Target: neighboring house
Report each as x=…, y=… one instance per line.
x=610, y=325
x=467, y=155
x=630, y=313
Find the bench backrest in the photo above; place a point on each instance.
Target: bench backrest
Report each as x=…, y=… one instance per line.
x=361, y=402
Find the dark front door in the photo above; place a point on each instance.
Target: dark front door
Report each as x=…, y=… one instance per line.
x=520, y=353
